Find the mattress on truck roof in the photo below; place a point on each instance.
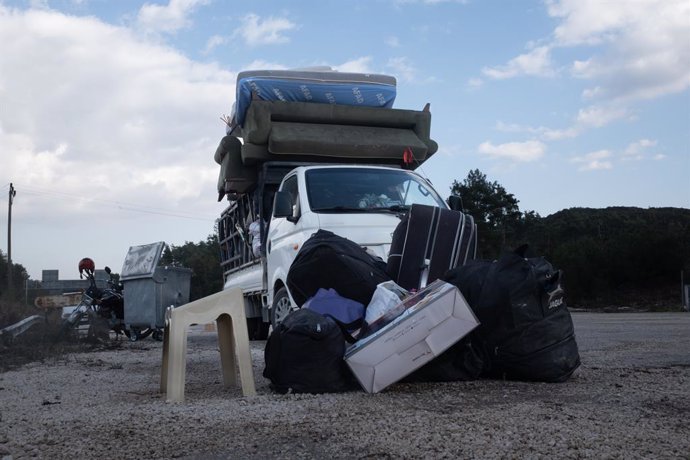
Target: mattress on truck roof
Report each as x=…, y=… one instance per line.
x=314, y=86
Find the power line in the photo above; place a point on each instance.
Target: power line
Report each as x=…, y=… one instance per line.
x=119, y=204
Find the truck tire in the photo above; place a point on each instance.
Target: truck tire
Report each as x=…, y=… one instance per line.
x=257, y=329
x=281, y=307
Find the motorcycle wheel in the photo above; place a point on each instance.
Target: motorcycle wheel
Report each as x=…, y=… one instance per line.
x=136, y=333
x=157, y=335
x=99, y=329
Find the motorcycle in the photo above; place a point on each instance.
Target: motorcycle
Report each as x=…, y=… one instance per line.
x=103, y=308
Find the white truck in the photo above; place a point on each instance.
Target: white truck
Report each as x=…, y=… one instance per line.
x=301, y=167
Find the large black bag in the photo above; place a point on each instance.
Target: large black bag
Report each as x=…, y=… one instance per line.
x=327, y=260
x=304, y=354
x=526, y=329
x=427, y=243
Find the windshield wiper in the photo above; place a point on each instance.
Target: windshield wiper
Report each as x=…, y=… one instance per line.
x=397, y=208
x=340, y=209
x=394, y=208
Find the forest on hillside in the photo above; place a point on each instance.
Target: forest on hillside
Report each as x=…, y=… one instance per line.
x=615, y=256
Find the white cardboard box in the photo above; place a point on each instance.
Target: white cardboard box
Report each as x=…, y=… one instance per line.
x=433, y=320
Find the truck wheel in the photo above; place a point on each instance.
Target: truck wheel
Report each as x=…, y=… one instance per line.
x=280, y=308
x=257, y=329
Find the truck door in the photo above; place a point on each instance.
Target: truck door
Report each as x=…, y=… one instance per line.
x=286, y=235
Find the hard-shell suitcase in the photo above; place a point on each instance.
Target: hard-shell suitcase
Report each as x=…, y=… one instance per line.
x=428, y=242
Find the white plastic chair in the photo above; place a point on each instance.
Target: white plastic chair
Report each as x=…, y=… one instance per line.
x=226, y=308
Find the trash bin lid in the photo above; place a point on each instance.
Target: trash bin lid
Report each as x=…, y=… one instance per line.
x=141, y=261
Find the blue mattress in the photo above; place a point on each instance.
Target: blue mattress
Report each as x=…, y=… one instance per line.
x=324, y=87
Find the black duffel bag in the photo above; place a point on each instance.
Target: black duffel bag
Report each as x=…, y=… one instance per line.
x=526, y=330
x=327, y=260
x=304, y=354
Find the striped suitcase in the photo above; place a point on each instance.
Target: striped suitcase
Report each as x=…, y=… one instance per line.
x=428, y=242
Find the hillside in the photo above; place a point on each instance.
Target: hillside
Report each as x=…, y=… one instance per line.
x=616, y=255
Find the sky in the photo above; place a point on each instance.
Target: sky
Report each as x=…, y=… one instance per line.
x=110, y=111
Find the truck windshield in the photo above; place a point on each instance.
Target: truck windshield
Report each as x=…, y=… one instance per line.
x=367, y=190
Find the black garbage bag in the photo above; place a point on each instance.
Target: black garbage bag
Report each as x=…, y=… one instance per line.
x=526, y=330
x=304, y=354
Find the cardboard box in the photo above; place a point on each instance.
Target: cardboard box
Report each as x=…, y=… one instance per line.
x=431, y=321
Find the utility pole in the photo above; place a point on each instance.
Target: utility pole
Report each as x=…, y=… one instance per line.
x=12, y=194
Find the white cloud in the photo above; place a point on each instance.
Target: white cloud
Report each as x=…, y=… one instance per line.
x=403, y=69
x=638, y=150
x=511, y=127
x=630, y=51
x=392, y=41
x=516, y=151
x=594, y=161
x=598, y=116
x=86, y=103
x=643, y=46
x=604, y=158
x=535, y=63
x=592, y=93
x=215, y=41
x=594, y=116
x=635, y=50
x=589, y=21
x=107, y=137
x=452, y=150
x=270, y=31
x=168, y=18
x=543, y=132
x=559, y=134
x=475, y=83
x=359, y=65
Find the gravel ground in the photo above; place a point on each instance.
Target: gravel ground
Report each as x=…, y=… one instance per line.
x=629, y=399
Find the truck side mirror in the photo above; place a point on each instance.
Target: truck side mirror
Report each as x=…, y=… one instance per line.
x=282, y=204
x=455, y=203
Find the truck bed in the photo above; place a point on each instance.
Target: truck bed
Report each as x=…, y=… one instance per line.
x=248, y=278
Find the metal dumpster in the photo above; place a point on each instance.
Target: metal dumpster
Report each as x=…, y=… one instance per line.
x=150, y=289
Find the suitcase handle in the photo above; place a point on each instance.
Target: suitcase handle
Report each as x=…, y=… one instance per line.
x=424, y=276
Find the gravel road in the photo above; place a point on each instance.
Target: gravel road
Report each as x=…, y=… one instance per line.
x=629, y=399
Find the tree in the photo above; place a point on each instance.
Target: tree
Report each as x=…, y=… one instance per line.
x=19, y=277
x=13, y=309
x=496, y=212
x=204, y=260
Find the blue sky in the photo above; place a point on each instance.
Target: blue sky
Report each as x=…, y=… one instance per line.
x=110, y=110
